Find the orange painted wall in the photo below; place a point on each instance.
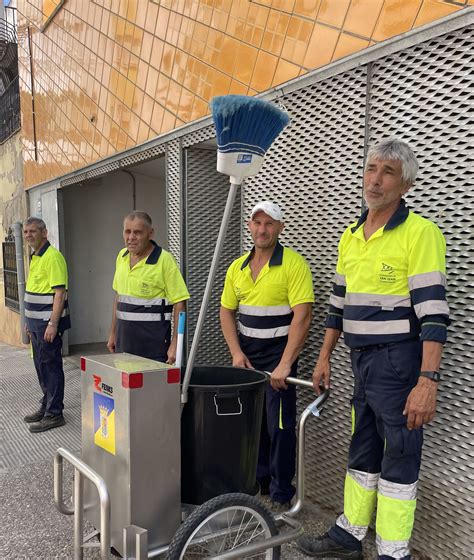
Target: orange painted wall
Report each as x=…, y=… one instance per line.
x=109, y=74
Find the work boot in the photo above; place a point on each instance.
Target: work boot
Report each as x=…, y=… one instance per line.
x=325, y=547
x=35, y=417
x=48, y=423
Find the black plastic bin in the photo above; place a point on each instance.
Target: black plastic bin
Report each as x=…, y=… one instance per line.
x=220, y=432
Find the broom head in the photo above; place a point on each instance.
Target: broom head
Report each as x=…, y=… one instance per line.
x=245, y=129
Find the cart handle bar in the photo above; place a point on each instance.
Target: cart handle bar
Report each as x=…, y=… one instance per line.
x=300, y=383
x=81, y=471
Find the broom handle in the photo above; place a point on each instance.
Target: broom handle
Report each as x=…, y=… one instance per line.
x=207, y=292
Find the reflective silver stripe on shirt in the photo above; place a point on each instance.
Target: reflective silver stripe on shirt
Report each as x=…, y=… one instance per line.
x=377, y=300
x=130, y=316
x=265, y=311
x=339, y=279
x=357, y=531
x=401, y=326
x=39, y=298
x=426, y=279
x=394, y=549
x=397, y=491
x=264, y=333
x=368, y=481
x=141, y=301
x=44, y=315
x=336, y=301
x=432, y=307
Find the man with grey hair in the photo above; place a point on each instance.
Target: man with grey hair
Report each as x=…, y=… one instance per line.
x=388, y=299
x=47, y=317
x=149, y=288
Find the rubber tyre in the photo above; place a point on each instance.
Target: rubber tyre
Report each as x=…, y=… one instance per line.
x=243, y=502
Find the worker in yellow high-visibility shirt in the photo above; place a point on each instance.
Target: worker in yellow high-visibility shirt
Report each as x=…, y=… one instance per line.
x=389, y=300
x=149, y=289
x=47, y=317
x=272, y=290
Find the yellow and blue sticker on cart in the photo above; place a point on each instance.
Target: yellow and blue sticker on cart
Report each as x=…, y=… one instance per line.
x=104, y=422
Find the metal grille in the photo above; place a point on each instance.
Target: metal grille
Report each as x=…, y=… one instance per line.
x=145, y=155
x=10, y=275
x=9, y=109
x=174, y=200
x=128, y=161
x=206, y=196
x=198, y=136
x=92, y=173
x=421, y=94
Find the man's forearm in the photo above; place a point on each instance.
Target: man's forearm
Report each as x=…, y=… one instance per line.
x=229, y=330
x=59, y=299
x=297, y=335
x=432, y=352
x=114, y=316
x=331, y=336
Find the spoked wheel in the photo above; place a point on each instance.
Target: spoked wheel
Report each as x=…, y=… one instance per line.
x=222, y=524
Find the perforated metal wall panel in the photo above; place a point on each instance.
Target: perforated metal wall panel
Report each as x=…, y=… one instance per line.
x=314, y=170
x=174, y=202
x=98, y=170
x=206, y=194
x=145, y=155
x=201, y=135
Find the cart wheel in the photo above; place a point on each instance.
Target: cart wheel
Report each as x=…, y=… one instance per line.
x=222, y=524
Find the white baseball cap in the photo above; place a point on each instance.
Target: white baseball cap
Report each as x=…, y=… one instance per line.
x=269, y=208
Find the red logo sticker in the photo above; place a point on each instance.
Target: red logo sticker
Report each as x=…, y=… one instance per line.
x=97, y=381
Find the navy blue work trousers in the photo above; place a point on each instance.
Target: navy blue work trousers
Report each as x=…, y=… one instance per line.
x=277, y=453
x=381, y=442
x=48, y=362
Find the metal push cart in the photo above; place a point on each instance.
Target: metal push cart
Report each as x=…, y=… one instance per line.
x=225, y=527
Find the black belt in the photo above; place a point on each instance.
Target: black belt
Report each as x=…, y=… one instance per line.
x=371, y=348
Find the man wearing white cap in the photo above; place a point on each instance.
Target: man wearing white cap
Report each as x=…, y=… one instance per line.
x=271, y=288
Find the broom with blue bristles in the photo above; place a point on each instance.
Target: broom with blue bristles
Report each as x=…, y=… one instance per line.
x=245, y=129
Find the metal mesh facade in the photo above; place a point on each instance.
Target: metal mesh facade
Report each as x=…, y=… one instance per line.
x=206, y=194
x=174, y=201
x=315, y=171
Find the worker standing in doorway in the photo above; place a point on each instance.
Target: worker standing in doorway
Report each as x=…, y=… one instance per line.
x=389, y=300
x=47, y=317
x=149, y=289
x=271, y=288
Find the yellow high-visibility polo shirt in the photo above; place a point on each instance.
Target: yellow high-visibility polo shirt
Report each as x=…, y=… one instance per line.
x=265, y=306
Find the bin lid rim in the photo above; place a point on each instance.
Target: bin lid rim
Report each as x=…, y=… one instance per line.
x=228, y=386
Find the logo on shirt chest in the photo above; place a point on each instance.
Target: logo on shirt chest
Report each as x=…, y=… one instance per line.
x=145, y=288
x=387, y=274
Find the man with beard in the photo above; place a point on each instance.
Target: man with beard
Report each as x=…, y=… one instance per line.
x=271, y=288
